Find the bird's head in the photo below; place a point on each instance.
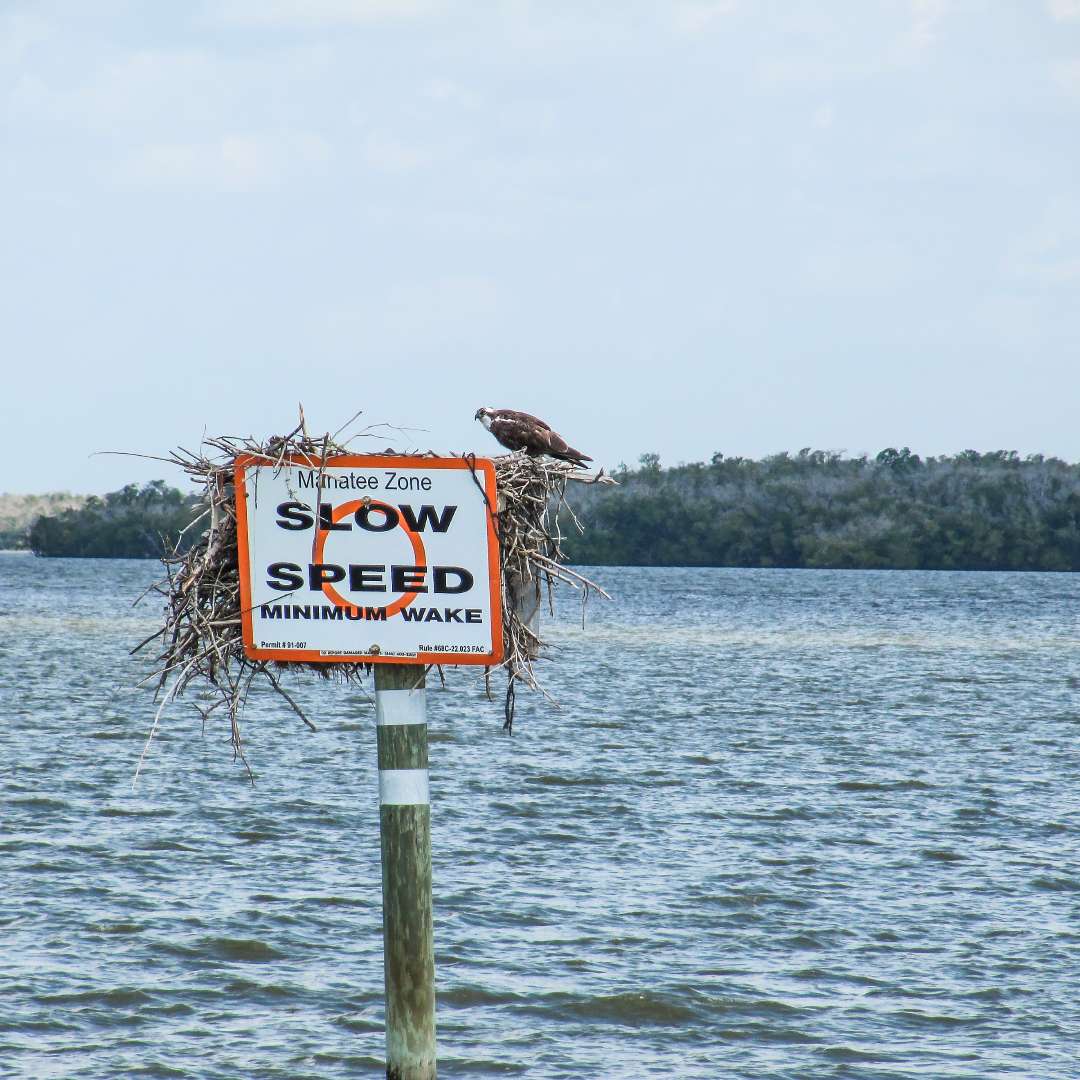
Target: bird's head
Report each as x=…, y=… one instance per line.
x=484, y=415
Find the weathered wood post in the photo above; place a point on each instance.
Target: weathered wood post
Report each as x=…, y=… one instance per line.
x=525, y=602
x=524, y=598
x=405, y=829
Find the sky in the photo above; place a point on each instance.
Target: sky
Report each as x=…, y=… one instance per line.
x=677, y=228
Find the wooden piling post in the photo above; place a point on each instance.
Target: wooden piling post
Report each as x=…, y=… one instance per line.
x=405, y=830
x=525, y=601
x=524, y=598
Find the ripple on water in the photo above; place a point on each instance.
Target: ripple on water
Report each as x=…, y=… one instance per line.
x=626, y=1009
x=240, y=950
x=116, y=998
x=1056, y=883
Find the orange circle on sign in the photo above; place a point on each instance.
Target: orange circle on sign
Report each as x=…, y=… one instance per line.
x=414, y=538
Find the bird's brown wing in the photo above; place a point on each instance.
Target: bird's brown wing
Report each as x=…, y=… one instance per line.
x=513, y=434
x=522, y=417
x=558, y=447
x=520, y=431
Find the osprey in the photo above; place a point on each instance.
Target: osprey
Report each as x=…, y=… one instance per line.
x=520, y=431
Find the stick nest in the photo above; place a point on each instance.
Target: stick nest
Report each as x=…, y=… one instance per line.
x=200, y=641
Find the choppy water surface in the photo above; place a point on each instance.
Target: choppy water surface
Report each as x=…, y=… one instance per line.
x=787, y=824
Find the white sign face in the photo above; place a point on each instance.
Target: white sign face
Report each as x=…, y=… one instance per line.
x=382, y=559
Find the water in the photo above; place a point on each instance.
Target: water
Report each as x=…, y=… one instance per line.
x=787, y=824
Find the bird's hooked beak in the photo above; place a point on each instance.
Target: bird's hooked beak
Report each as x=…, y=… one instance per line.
x=479, y=414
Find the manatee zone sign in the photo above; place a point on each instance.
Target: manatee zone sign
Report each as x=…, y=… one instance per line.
x=390, y=559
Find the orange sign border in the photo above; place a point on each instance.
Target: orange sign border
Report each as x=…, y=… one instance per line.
x=483, y=467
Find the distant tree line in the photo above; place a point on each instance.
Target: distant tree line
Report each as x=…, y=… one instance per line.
x=132, y=523
x=19, y=512
x=970, y=511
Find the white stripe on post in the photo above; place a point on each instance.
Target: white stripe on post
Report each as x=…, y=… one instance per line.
x=403, y=787
x=400, y=707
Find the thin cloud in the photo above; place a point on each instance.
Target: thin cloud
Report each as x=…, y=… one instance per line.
x=1048, y=253
x=421, y=312
x=19, y=33
x=134, y=92
x=448, y=92
x=233, y=163
x=1067, y=76
x=698, y=18
x=391, y=155
x=322, y=12
x=1064, y=10
x=926, y=17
